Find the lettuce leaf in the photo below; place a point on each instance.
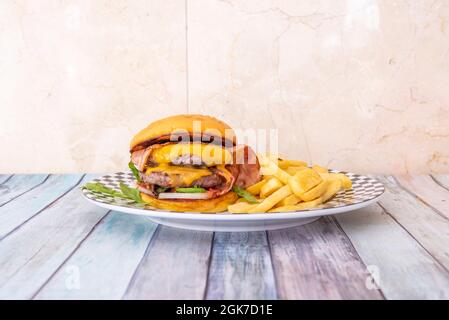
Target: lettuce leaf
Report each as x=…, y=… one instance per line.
x=191, y=190
x=242, y=193
x=134, y=171
x=126, y=192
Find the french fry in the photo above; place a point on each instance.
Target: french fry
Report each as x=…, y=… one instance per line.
x=325, y=176
x=303, y=181
x=289, y=201
x=270, y=168
x=255, y=188
x=301, y=206
x=270, y=187
x=272, y=200
x=334, y=186
x=284, y=164
x=346, y=182
x=289, y=185
x=282, y=175
x=284, y=208
x=241, y=207
x=293, y=170
x=310, y=204
x=320, y=169
x=315, y=192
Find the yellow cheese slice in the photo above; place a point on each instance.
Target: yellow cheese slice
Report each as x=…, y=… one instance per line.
x=210, y=154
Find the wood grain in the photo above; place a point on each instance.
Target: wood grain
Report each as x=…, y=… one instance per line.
x=105, y=262
x=317, y=261
x=4, y=177
x=425, y=225
x=405, y=269
x=428, y=191
x=15, y=213
x=442, y=180
x=241, y=267
x=404, y=240
x=19, y=184
x=174, y=267
x=29, y=256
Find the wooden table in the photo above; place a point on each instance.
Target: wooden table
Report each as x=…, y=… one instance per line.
x=54, y=244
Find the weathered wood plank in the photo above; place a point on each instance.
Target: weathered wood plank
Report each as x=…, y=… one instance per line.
x=29, y=256
x=429, y=228
x=442, y=180
x=404, y=269
x=4, y=177
x=105, y=262
x=317, y=261
x=19, y=184
x=25, y=206
x=174, y=267
x=241, y=267
x=427, y=190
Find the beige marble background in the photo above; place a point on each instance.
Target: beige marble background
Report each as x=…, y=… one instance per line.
x=361, y=85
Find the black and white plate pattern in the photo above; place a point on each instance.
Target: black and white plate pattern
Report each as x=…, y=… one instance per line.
x=365, y=191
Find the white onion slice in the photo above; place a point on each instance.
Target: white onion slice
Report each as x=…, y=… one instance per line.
x=179, y=195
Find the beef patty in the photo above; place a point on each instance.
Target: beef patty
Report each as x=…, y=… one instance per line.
x=162, y=179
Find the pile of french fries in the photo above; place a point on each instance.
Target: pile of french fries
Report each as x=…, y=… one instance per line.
x=290, y=185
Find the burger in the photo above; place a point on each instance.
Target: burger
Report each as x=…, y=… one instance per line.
x=191, y=163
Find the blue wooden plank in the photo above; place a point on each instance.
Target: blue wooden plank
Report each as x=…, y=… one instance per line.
x=427, y=189
x=317, y=261
x=4, y=177
x=19, y=184
x=241, y=267
x=403, y=268
x=175, y=266
x=425, y=224
x=32, y=254
x=27, y=205
x=106, y=260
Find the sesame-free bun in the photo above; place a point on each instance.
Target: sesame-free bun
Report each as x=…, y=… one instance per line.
x=193, y=124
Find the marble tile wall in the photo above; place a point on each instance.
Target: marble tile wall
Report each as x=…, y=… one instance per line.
x=361, y=85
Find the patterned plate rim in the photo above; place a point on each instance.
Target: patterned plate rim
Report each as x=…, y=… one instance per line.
x=335, y=203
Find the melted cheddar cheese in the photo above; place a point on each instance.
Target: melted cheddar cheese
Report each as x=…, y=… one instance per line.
x=210, y=154
x=180, y=175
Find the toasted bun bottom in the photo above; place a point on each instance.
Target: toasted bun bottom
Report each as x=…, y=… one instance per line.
x=219, y=204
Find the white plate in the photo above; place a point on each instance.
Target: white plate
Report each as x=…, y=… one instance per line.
x=364, y=192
